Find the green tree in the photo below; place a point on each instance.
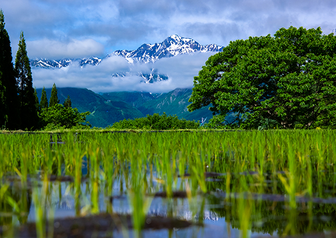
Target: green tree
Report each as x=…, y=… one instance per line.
x=67, y=102
x=44, y=99
x=58, y=116
x=53, y=97
x=8, y=86
x=156, y=122
x=27, y=101
x=37, y=103
x=286, y=81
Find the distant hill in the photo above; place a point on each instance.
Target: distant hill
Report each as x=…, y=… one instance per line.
x=136, y=99
x=104, y=112
x=173, y=103
x=108, y=108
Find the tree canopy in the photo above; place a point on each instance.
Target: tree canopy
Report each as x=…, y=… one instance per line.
x=287, y=81
x=59, y=116
x=156, y=122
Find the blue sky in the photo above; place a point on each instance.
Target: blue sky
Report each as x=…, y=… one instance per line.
x=82, y=28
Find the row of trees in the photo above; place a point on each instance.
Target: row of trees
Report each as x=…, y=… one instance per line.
x=17, y=97
x=156, y=122
x=53, y=115
x=19, y=104
x=285, y=81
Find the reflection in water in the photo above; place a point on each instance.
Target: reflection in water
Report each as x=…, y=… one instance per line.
x=15, y=203
x=272, y=214
x=238, y=184
x=269, y=213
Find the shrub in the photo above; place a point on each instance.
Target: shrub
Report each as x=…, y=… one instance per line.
x=156, y=122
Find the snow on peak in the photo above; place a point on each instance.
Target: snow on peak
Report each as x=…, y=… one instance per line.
x=175, y=37
x=146, y=53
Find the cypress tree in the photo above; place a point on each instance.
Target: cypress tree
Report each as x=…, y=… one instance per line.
x=44, y=99
x=37, y=103
x=27, y=100
x=53, y=97
x=67, y=102
x=3, y=115
x=8, y=87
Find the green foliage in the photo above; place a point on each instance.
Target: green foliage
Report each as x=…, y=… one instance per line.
x=44, y=100
x=37, y=104
x=27, y=98
x=67, y=102
x=53, y=98
x=266, y=81
x=156, y=122
x=58, y=116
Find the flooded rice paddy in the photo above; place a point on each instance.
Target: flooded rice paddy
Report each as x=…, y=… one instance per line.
x=171, y=184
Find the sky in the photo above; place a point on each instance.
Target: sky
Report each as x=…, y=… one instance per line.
x=56, y=29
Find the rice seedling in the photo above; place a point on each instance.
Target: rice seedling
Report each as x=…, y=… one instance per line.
x=293, y=164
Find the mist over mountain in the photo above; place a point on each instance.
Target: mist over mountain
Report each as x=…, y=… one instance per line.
x=159, y=67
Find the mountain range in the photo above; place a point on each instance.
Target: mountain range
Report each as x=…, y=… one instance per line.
x=107, y=108
x=146, y=53
x=172, y=46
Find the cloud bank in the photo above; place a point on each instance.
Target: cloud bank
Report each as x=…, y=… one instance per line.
x=57, y=50
x=180, y=69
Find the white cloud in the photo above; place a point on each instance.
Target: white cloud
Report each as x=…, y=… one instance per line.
x=71, y=49
x=180, y=69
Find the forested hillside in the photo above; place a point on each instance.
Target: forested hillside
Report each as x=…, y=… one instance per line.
x=111, y=107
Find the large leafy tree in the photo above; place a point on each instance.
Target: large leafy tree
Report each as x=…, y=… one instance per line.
x=27, y=99
x=8, y=87
x=288, y=80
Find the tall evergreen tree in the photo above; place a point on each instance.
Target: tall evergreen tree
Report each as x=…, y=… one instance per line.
x=53, y=97
x=37, y=103
x=44, y=99
x=8, y=86
x=27, y=101
x=67, y=102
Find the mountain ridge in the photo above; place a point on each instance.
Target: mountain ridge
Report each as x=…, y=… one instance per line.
x=147, y=53
x=172, y=46
x=108, y=108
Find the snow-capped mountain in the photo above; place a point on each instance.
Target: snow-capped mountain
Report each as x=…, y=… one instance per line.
x=147, y=53
x=90, y=61
x=56, y=64
x=47, y=63
x=172, y=46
